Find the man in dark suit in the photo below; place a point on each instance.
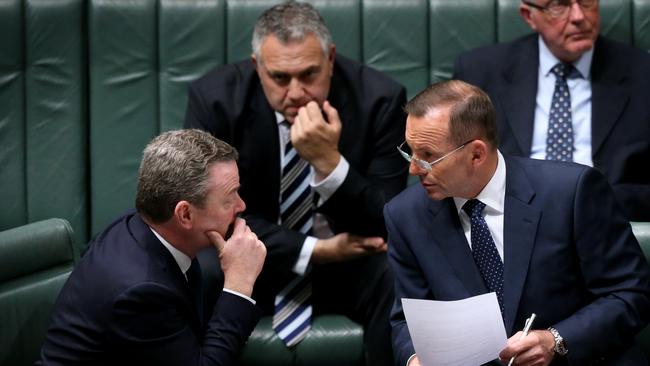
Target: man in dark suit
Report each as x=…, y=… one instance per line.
x=608, y=125
x=342, y=119
x=134, y=298
x=545, y=236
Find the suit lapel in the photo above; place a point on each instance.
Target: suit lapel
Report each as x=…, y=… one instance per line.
x=519, y=231
x=609, y=92
x=453, y=244
x=518, y=96
x=171, y=273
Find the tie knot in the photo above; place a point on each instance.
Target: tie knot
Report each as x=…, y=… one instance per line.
x=473, y=207
x=565, y=71
x=194, y=272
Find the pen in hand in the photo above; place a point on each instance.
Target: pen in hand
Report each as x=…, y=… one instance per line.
x=524, y=333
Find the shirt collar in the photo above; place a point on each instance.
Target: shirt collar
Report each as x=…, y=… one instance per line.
x=493, y=194
x=279, y=118
x=181, y=258
x=547, y=60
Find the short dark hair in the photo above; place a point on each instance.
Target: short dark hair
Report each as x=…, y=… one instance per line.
x=471, y=113
x=175, y=167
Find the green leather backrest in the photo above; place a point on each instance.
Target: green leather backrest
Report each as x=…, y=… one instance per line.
x=85, y=84
x=35, y=261
x=43, y=113
x=642, y=232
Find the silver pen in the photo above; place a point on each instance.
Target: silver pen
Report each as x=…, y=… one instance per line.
x=527, y=325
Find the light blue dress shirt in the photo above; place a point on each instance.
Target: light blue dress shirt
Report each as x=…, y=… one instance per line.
x=580, y=90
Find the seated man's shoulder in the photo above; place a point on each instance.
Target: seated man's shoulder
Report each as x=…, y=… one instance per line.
x=635, y=58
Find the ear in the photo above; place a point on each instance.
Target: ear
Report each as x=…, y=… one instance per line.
x=524, y=11
x=479, y=151
x=184, y=214
x=332, y=56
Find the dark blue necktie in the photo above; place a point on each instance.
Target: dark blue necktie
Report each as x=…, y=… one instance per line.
x=194, y=281
x=484, y=250
x=293, y=310
x=559, y=137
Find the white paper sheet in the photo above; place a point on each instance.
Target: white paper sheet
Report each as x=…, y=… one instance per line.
x=463, y=332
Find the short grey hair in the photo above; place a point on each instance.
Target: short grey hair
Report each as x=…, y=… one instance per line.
x=175, y=167
x=291, y=21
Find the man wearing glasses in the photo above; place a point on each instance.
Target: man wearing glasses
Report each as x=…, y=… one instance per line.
x=571, y=94
x=545, y=237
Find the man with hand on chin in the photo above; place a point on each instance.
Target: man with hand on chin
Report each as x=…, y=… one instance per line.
x=316, y=133
x=135, y=298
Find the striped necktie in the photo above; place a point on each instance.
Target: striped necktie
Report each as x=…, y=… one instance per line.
x=293, y=310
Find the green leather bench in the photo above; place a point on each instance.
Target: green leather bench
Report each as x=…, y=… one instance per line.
x=85, y=84
x=35, y=261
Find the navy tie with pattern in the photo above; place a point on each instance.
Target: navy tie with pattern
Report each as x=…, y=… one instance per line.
x=484, y=250
x=559, y=138
x=293, y=310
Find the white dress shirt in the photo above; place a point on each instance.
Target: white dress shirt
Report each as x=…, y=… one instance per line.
x=493, y=195
x=325, y=189
x=580, y=90
x=184, y=262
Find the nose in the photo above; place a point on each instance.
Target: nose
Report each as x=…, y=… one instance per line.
x=295, y=90
x=576, y=13
x=415, y=170
x=241, y=205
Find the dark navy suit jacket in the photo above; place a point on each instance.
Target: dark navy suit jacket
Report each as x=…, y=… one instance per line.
x=127, y=302
x=620, y=103
x=569, y=256
x=229, y=103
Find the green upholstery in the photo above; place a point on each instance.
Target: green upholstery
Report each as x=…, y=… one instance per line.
x=43, y=121
x=85, y=84
x=332, y=340
x=642, y=232
x=35, y=261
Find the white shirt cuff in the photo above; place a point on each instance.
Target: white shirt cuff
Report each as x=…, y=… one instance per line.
x=410, y=358
x=240, y=295
x=326, y=187
x=305, y=255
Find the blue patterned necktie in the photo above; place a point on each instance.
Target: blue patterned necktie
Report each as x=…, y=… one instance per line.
x=559, y=137
x=484, y=250
x=293, y=310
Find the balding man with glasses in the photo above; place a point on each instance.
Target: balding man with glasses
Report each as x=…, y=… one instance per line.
x=568, y=93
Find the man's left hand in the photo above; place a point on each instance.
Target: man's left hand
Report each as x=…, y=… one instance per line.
x=316, y=139
x=536, y=349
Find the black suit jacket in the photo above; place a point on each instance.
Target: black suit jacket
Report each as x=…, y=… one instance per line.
x=620, y=81
x=127, y=302
x=569, y=256
x=229, y=103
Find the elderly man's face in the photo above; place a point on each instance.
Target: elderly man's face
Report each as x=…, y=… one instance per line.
x=569, y=36
x=428, y=139
x=294, y=74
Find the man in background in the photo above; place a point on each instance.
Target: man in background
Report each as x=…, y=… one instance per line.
x=316, y=133
x=568, y=93
x=135, y=297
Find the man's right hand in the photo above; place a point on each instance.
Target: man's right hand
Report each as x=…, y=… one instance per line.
x=346, y=246
x=241, y=256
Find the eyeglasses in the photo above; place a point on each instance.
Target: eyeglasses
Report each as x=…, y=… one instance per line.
x=424, y=164
x=560, y=8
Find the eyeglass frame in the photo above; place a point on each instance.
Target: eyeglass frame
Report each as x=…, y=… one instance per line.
x=545, y=8
x=425, y=165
